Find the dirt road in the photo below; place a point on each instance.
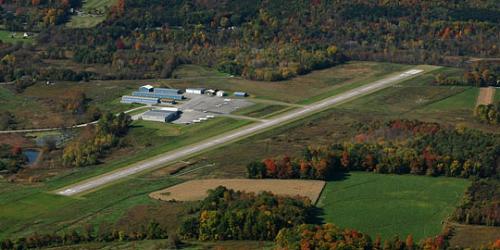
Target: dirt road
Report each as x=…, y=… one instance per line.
x=486, y=96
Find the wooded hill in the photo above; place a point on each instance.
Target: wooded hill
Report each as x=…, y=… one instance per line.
x=264, y=40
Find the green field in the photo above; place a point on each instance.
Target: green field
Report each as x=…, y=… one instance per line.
x=91, y=6
x=389, y=205
x=419, y=98
x=85, y=21
x=6, y=37
x=26, y=210
x=463, y=100
x=97, y=4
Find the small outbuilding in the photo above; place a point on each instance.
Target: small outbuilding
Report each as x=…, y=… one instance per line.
x=240, y=94
x=197, y=91
x=221, y=93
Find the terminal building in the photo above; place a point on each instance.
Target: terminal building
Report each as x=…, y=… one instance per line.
x=140, y=100
x=160, y=115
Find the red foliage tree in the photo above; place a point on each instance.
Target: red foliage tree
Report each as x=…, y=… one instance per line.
x=271, y=167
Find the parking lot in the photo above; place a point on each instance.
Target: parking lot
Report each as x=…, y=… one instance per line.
x=199, y=108
x=216, y=105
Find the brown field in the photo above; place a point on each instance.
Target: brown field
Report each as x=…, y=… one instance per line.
x=473, y=236
x=486, y=96
x=197, y=189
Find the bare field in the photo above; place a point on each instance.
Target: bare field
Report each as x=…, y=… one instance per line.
x=486, y=96
x=197, y=189
x=473, y=236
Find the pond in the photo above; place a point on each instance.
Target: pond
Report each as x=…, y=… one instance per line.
x=31, y=154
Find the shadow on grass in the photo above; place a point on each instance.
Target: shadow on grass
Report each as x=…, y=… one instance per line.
x=339, y=176
x=317, y=213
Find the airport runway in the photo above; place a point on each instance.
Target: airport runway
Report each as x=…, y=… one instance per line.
x=232, y=136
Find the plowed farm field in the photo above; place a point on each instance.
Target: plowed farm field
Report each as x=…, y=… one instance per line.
x=197, y=189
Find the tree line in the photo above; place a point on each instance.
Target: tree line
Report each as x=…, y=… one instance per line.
x=151, y=231
x=94, y=141
x=480, y=204
x=232, y=215
x=415, y=148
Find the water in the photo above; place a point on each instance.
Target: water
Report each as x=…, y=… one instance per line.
x=31, y=154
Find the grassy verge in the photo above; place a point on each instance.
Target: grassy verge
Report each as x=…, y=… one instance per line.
x=149, y=139
x=389, y=205
x=260, y=110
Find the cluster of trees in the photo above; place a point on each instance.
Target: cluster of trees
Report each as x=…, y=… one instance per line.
x=12, y=159
x=226, y=214
x=478, y=74
x=416, y=148
x=480, y=204
x=328, y=236
x=90, y=56
x=94, y=141
x=74, y=101
x=7, y=120
x=488, y=113
x=152, y=231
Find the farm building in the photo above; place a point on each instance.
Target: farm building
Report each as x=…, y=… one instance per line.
x=221, y=93
x=138, y=99
x=198, y=91
x=146, y=88
x=160, y=115
x=158, y=95
x=240, y=94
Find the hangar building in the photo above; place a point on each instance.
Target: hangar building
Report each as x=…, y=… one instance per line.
x=158, y=115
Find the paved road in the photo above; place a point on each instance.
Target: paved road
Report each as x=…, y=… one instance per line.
x=231, y=136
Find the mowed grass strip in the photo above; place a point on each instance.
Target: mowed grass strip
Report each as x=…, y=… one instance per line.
x=389, y=205
x=198, y=189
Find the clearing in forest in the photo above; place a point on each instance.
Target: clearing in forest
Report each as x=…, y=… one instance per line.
x=486, y=96
x=197, y=189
